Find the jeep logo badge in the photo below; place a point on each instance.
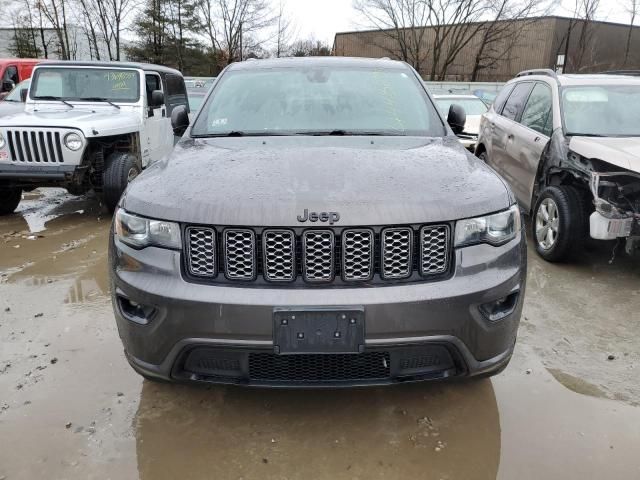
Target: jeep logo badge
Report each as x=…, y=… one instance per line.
x=330, y=217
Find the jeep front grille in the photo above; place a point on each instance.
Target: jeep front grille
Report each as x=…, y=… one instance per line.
x=397, y=244
x=279, y=255
x=239, y=254
x=357, y=254
x=318, y=256
x=35, y=146
x=201, y=251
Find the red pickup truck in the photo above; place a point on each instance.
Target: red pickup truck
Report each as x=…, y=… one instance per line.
x=13, y=71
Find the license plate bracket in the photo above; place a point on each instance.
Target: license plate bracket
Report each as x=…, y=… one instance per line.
x=318, y=330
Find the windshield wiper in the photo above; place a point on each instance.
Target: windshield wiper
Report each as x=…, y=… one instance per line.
x=572, y=134
x=51, y=97
x=240, y=133
x=341, y=132
x=99, y=99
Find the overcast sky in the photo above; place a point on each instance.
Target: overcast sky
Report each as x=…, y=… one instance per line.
x=323, y=18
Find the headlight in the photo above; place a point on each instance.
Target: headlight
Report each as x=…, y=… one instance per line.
x=73, y=141
x=141, y=232
x=2, y=142
x=493, y=229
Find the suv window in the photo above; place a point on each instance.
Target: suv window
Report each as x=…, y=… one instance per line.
x=176, y=91
x=498, y=103
x=516, y=100
x=537, y=113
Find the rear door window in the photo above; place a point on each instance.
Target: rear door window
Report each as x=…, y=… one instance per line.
x=516, y=100
x=537, y=112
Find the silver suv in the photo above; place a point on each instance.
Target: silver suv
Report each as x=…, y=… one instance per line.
x=569, y=146
x=318, y=224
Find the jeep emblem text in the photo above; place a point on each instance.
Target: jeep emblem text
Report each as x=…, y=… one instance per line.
x=330, y=217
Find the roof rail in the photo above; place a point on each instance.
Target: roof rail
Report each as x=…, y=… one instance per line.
x=539, y=71
x=633, y=73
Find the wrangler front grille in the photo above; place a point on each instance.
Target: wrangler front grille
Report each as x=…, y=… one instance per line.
x=35, y=146
x=317, y=256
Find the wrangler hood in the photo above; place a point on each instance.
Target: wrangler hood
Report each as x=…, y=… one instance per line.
x=105, y=120
x=262, y=181
x=622, y=152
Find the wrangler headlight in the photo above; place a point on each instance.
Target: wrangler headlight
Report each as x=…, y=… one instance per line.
x=493, y=229
x=73, y=141
x=140, y=232
x=2, y=141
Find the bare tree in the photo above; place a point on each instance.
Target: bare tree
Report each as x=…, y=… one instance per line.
x=55, y=12
x=400, y=21
x=500, y=34
x=285, y=31
x=633, y=7
x=310, y=47
x=228, y=21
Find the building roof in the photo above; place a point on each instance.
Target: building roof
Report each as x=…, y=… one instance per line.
x=318, y=62
x=141, y=66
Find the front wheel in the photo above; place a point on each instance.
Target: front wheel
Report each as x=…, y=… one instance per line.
x=9, y=199
x=120, y=169
x=483, y=156
x=558, y=223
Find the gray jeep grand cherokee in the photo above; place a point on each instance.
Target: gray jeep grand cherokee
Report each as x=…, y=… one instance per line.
x=319, y=224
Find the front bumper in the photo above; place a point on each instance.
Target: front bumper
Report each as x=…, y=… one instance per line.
x=234, y=326
x=35, y=173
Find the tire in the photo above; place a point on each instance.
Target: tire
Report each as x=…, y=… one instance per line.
x=559, y=223
x=483, y=156
x=9, y=199
x=120, y=168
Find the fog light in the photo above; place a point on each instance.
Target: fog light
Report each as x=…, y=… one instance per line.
x=135, y=312
x=499, y=309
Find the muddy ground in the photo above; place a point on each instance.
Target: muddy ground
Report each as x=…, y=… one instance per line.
x=71, y=408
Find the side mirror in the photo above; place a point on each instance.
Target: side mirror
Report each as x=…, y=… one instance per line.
x=179, y=120
x=456, y=118
x=23, y=94
x=157, y=98
x=8, y=85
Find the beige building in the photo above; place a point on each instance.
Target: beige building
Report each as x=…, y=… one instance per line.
x=513, y=46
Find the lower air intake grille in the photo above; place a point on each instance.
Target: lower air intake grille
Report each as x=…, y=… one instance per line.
x=319, y=368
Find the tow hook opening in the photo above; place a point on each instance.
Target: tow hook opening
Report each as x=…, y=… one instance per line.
x=501, y=308
x=135, y=312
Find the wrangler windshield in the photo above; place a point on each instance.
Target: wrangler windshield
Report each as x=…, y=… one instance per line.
x=602, y=111
x=113, y=85
x=318, y=101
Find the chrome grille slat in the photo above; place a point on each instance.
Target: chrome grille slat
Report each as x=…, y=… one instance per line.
x=434, y=255
x=239, y=258
x=318, y=247
x=397, y=257
x=279, y=255
x=357, y=254
x=201, y=251
x=35, y=146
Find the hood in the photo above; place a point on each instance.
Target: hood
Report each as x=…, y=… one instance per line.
x=105, y=120
x=269, y=181
x=472, y=124
x=622, y=152
x=7, y=108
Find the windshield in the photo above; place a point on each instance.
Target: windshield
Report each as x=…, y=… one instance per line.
x=604, y=110
x=472, y=106
x=318, y=100
x=114, y=85
x=14, y=96
x=195, y=101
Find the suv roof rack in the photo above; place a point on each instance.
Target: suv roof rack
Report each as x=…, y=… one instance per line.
x=539, y=71
x=633, y=73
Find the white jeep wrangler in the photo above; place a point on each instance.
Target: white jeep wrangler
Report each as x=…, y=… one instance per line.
x=88, y=125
